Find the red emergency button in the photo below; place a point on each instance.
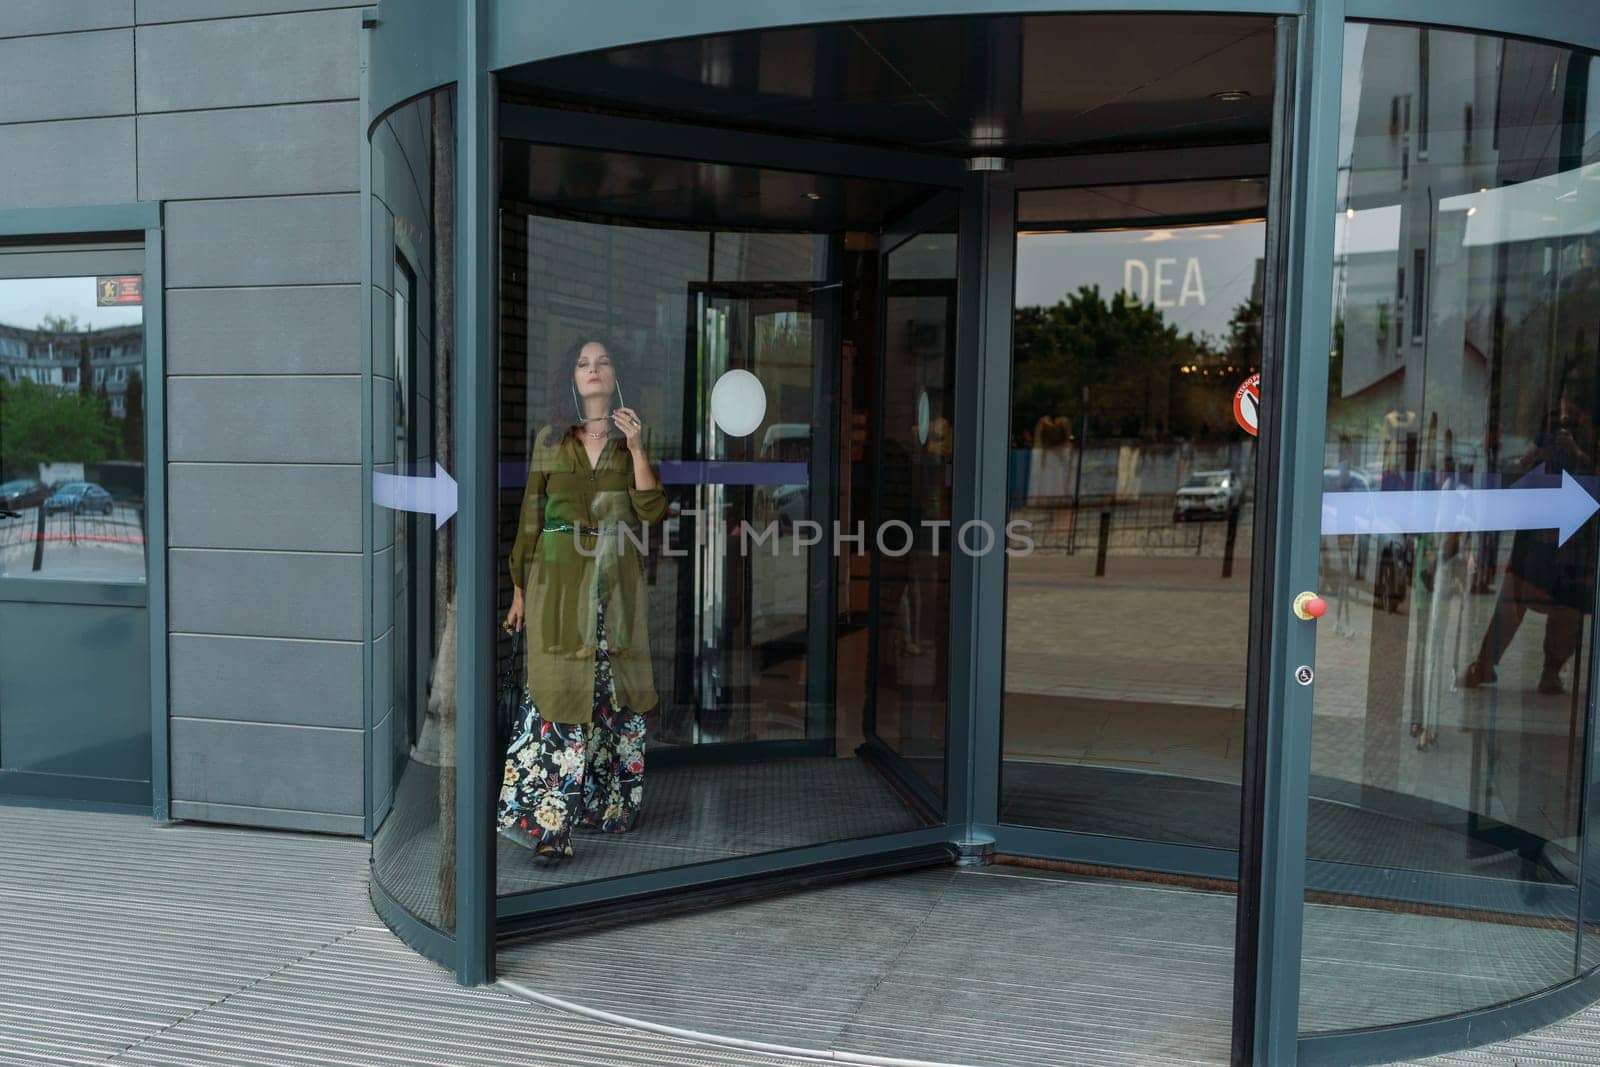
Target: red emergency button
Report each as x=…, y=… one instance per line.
x=1308, y=606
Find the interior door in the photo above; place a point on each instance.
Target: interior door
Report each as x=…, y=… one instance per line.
x=757, y=652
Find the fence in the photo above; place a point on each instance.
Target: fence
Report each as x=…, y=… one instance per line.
x=69, y=543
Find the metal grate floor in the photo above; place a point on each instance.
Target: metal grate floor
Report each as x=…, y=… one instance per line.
x=127, y=943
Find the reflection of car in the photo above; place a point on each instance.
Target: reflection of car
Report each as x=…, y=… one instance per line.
x=22, y=493
x=1206, y=493
x=784, y=442
x=79, y=497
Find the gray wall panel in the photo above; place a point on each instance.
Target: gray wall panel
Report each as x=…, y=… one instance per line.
x=62, y=16
x=151, y=11
x=297, y=240
x=264, y=505
x=42, y=163
x=294, y=330
x=267, y=766
x=265, y=151
x=67, y=76
x=261, y=679
x=265, y=594
x=264, y=420
x=239, y=62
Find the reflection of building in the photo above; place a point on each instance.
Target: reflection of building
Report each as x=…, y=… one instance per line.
x=111, y=357
x=1422, y=160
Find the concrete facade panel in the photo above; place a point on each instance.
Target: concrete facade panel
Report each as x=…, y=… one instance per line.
x=265, y=506
x=266, y=151
x=263, y=765
x=155, y=11
x=298, y=240
x=247, y=62
x=264, y=420
x=265, y=594
x=269, y=680
x=265, y=330
x=67, y=76
x=18, y=17
x=41, y=163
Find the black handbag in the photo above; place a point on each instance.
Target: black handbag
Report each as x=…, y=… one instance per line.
x=508, y=697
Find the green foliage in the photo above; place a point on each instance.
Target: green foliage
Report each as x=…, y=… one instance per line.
x=41, y=425
x=1126, y=355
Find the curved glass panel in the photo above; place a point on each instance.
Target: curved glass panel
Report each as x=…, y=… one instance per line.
x=716, y=383
x=1452, y=709
x=413, y=562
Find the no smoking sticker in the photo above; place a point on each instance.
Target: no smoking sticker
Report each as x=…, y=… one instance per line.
x=1247, y=404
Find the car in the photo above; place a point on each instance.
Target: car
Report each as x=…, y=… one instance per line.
x=1207, y=493
x=79, y=498
x=22, y=493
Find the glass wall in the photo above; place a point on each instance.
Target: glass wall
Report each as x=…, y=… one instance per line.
x=414, y=573
x=72, y=415
x=1451, y=735
x=715, y=381
x=1136, y=332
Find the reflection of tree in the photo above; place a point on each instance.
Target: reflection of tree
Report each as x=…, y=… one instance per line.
x=39, y=424
x=1144, y=377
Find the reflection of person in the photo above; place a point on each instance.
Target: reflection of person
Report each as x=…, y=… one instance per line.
x=1542, y=575
x=1048, y=481
x=577, y=752
x=1447, y=570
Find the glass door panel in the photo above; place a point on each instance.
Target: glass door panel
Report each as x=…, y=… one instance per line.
x=911, y=500
x=736, y=310
x=1451, y=721
x=1133, y=478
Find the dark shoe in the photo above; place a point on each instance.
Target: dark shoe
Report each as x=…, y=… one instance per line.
x=1475, y=675
x=1551, y=684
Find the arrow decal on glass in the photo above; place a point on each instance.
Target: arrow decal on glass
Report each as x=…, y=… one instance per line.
x=433, y=494
x=1520, y=507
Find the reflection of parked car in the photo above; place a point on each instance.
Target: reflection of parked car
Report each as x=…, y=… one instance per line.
x=23, y=493
x=79, y=497
x=784, y=442
x=1206, y=493
x=1395, y=556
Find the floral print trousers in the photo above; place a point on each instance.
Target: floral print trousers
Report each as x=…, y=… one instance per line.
x=564, y=775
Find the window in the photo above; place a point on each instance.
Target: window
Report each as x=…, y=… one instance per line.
x=84, y=449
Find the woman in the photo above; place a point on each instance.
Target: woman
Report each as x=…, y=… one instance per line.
x=576, y=757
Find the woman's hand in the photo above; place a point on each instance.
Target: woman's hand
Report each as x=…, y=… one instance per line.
x=627, y=420
x=514, y=616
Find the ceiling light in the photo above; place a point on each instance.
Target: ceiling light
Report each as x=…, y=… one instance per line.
x=812, y=196
x=1231, y=96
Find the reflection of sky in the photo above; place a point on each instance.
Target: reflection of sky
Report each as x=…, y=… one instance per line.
x=1050, y=266
x=25, y=302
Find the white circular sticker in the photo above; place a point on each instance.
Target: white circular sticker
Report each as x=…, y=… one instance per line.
x=922, y=417
x=738, y=403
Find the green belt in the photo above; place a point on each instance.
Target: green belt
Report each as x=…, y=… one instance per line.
x=567, y=527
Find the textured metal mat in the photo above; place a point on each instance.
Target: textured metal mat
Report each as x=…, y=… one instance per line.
x=123, y=942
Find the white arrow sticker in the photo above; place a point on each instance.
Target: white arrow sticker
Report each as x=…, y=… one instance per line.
x=431, y=495
x=1564, y=508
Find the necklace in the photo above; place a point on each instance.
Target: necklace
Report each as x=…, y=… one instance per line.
x=594, y=436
